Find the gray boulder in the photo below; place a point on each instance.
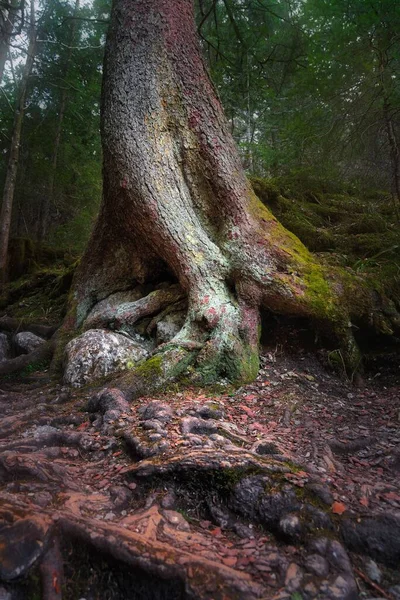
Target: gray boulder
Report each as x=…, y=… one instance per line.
x=26, y=342
x=169, y=326
x=5, y=351
x=96, y=353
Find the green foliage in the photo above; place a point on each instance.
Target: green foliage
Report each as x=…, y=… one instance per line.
x=309, y=87
x=68, y=65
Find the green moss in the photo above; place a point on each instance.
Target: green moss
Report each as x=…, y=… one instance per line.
x=318, y=293
x=293, y=466
x=328, y=217
x=266, y=190
x=34, y=367
x=40, y=296
x=151, y=368
x=226, y=479
x=244, y=367
x=307, y=496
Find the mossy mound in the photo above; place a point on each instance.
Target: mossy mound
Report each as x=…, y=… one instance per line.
x=346, y=228
x=39, y=296
x=25, y=256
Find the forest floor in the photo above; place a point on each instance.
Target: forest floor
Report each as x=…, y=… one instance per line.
x=164, y=505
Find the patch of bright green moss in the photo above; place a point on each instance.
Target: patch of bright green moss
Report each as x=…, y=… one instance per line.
x=151, y=368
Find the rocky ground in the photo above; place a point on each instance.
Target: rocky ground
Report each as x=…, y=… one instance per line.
x=287, y=488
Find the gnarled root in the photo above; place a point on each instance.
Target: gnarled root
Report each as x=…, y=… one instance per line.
x=43, y=353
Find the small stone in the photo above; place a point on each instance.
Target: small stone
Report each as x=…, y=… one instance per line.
x=26, y=342
x=176, y=519
x=219, y=439
x=316, y=519
x=373, y=571
x=317, y=565
x=169, y=327
x=198, y=426
x=120, y=496
x=322, y=492
x=43, y=431
x=276, y=505
x=338, y=557
x=108, y=399
x=246, y=495
x=42, y=499
x=265, y=447
x=155, y=437
x=4, y=594
x=395, y=591
x=161, y=447
x=157, y=411
x=168, y=501
x=220, y=516
x=210, y=410
x=242, y=530
x=311, y=589
x=319, y=545
x=343, y=588
x=290, y=525
x=293, y=578
x=153, y=424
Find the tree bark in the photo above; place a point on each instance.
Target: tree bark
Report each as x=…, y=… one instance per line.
x=394, y=153
x=176, y=201
x=13, y=160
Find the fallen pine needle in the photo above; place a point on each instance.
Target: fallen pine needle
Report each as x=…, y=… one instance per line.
x=372, y=584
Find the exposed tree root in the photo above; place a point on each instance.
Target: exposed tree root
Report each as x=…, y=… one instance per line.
x=129, y=313
x=183, y=519
x=51, y=570
x=16, y=325
x=340, y=448
x=43, y=353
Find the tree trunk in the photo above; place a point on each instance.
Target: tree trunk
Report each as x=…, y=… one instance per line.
x=48, y=198
x=177, y=204
x=394, y=153
x=13, y=160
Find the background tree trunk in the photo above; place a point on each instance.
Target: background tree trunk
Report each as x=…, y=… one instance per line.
x=48, y=198
x=12, y=168
x=7, y=19
x=177, y=205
